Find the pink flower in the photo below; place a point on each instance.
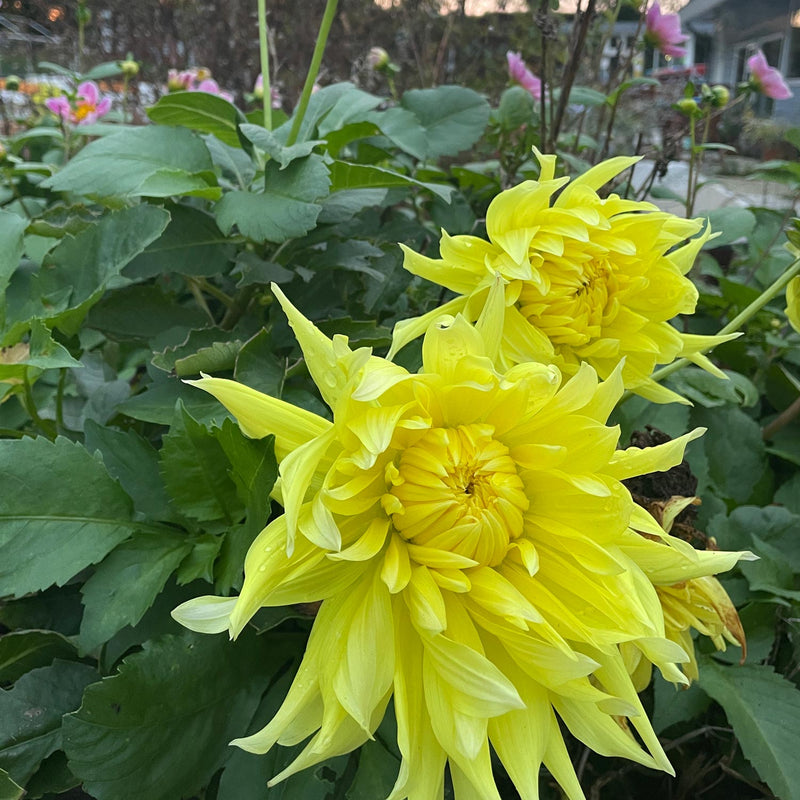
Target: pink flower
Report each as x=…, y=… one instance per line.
x=522, y=75
x=767, y=79
x=88, y=106
x=59, y=106
x=663, y=32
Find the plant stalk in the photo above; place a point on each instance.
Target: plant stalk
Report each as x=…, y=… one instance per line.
x=263, y=43
x=743, y=316
x=313, y=70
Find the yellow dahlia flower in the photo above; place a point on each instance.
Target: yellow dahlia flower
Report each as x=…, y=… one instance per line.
x=584, y=279
x=476, y=555
x=792, y=309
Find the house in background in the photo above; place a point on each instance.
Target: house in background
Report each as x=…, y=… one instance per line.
x=725, y=33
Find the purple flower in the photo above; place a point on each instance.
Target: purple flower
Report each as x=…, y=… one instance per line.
x=522, y=75
x=663, y=32
x=767, y=79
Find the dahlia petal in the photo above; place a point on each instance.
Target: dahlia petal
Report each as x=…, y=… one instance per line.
x=479, y=686
x=472, y=778
x=368, y=545
x=421, y=773
x=89, y=92
x=639, y=461
x=363, y=677
x=207, y=614
x=498, y=596
x=406, y=330
x=614, y=679
x=297, y=471
x=396, y=570
x=318, y=350
x=596, y=177
x=425, y=602
x=557, y=760
x=599, y=731
x=259, y=414
x=449, y=341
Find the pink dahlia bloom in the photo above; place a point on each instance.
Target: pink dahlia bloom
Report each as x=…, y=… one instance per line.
x=88, y=106
x=522, y=75
x=767, y=79
x=663, y=32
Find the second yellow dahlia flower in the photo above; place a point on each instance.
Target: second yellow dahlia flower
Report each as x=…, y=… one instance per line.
x=477, y=558
x=584, y=278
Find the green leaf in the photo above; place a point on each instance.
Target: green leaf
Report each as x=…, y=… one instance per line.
x=195, y=471
x=735, y=451
x=772, y=525
x=702, y=387
x=142, y=312
x=673, y=704
x=191, y=245
x=258, y=367
x=127, y=581
x=8, y=789
x=46, y=353
x=269, y=143
x=159, y=729
x=23, y=651
x=157, y=404
x=762, y=707
x=199, y=111
x=151, y=161
x=732, y=224
x=76, y=273
x=287, y=208
x=342, y=206
x=12, y=230
x=254, y=470
x=219, y=357
x=515, y=109
x=60, y=511
x=246, y=774
x=584, y=96
x=31, y=712
x=199, y=563
x=403, y=129
x=454, y=117
x=345, y=175
x=376, y=774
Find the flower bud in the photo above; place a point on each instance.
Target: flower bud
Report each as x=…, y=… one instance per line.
x=129, y=67
x=688, y=106
x=12, y=83
x=377, y=58
x=721, y=96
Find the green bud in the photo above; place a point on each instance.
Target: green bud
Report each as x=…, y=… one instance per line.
x=12, y=83
x=129, y=67
x=721, y=97
x=688, y=106
x=377, y=58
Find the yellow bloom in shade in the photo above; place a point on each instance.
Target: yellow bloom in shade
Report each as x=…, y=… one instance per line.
x=581, y=278
x=792, y=309
x=477, y=557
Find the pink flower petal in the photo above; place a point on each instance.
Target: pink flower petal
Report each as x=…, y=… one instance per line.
x=89, y=92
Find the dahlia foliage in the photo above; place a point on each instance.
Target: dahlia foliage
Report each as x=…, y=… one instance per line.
x=480, y=563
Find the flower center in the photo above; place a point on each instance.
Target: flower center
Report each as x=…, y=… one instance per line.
x=581, y=301
x=460, y=492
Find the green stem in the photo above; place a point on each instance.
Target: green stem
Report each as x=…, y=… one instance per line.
x=313, y=70
x=263, y=41
x=692, y=163
x=743, y=316
x=44, y=425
